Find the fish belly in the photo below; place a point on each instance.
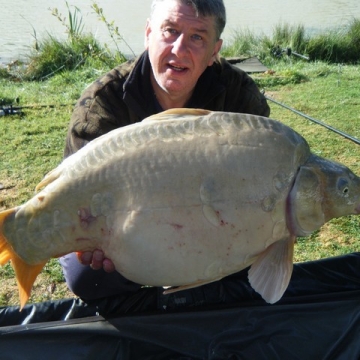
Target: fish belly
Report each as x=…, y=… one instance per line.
x=195, y=211
x=168, y=206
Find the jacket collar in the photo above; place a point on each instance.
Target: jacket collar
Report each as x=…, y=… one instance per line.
x=139, y=94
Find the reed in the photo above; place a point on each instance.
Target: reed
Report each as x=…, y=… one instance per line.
x=337, y=46
x=51, y=55
x=334, y=46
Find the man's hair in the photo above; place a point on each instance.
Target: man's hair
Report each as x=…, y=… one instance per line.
x=214, y=8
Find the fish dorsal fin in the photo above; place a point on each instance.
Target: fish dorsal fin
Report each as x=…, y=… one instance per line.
x=270, y=274
x=175, y=113
x=49, y=178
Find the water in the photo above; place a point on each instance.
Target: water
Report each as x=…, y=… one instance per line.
x=23, y=20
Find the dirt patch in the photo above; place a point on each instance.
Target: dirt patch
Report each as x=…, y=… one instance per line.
x=44, y=290
x=8, y=194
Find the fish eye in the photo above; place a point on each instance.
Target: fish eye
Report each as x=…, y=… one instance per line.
x=343, y=186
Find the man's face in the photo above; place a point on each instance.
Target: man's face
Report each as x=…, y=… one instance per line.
x=181, y=46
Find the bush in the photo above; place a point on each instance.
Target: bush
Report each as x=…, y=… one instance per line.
x=54, y=55
x=336, y=46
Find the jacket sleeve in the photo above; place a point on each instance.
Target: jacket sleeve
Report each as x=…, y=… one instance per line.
x=256, y=102
x=242, y=94
x=99, y=110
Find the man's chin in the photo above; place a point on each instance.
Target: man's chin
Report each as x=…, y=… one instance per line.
x=175, y=87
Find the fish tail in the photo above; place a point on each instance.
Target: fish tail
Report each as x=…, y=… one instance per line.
x=25, y=273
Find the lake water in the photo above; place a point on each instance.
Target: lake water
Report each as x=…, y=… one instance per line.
x=20, y=20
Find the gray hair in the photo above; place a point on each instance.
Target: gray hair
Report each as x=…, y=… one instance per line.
x=214, y=8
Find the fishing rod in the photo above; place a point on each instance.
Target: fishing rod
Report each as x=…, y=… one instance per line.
x=12, y=110
x=16, y=110
x=339, y=132
x=277, y=52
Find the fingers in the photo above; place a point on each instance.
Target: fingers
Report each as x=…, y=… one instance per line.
x=108, y=265
x=96, y=260
x=85, y=258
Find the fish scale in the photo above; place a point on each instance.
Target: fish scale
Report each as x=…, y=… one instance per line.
x=182, y=199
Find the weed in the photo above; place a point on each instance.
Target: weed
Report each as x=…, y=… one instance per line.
x=74, y=25
x=52, y=56
x=113, y=32
x=288, y=42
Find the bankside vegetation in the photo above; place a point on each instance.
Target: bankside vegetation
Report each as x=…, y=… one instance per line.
x=50, y=55
x=43, y=91
x=340, y=45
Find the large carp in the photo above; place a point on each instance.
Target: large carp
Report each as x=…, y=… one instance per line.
x=182, y=199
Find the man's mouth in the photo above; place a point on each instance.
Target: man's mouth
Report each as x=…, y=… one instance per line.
x=177, y=68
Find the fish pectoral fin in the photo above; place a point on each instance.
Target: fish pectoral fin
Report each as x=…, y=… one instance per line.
x=270, y=274
x=171, y=290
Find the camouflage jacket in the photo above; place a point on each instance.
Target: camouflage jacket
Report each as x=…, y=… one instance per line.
x=125, y=96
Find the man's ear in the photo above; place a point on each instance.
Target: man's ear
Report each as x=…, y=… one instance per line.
x=147, y=33
x=215, y=55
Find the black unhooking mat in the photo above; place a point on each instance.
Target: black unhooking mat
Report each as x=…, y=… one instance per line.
x=318, y=318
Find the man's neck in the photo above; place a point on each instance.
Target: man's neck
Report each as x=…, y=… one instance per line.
x=166, y=100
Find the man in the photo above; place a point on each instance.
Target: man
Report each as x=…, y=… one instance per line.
x=179, y=68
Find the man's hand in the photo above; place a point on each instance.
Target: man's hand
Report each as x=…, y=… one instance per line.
x=96, y=260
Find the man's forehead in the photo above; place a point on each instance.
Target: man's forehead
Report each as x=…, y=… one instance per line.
x=173, y=12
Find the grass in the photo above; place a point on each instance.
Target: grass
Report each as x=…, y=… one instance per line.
x=330, y=94
x=33, y=142
x=339, y=45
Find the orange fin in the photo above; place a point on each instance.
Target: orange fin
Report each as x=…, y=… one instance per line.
x=5, y=249
x=25, y=277
x=25, y=273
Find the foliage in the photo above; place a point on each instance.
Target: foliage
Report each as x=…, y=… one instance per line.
x=113, y=32
x=51, y=55
x=337, y=45
x=55, y=55
x=269, y=49
x=75, y=25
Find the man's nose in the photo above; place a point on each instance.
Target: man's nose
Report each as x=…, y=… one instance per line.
x=180, y=46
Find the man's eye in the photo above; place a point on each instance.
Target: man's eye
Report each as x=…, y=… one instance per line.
x=170, y=31
x=197, y=37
